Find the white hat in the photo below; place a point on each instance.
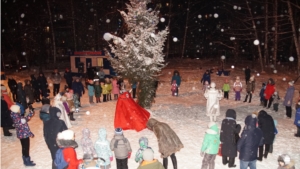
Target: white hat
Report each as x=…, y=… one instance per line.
x=213, y=84
x=15, y=108
x=210, y=124
x=291, y=83
x=68, y=135
x=148, y=155
x=60, y=136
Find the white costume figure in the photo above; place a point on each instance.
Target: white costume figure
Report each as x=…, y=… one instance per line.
x=213, y=106
x=59, y=104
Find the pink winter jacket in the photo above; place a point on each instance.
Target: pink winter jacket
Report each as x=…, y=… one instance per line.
x=115, y=85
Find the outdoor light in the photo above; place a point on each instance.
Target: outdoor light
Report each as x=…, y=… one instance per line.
x=232, y=67
x=256, y=42
x=216, y=15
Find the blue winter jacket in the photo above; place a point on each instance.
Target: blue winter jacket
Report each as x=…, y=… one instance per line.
x=91, y=90
x=297, y=118
x=177, y=78
x=251, y=139
x=78, y=88
x=205, y=77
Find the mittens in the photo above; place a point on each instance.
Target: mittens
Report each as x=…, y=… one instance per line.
x=129, y=154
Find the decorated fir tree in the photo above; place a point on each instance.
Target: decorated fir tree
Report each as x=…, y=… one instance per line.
x=138, y=56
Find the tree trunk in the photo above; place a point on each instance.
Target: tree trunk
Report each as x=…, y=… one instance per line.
x=275, y=33
x=52, y=32
x=186, y=28
x=73, y=24
x=256, y=37
x=266, y=50
x=296, y=40
x=169, y=35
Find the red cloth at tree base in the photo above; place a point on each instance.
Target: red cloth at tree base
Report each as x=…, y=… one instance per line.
x=129, y=115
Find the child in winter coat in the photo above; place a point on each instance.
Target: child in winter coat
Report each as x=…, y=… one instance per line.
x=276, y=99
x=149, y=162
x=103, y=151
x=143, y=141
x=261, y=94
x=297, y=119
x=285, y=162
x=98, y=91
x=66, y=140
x=121, y=146
x=88, y=162
x=23, y=131
x=87, y=143
x=70, y=101
x=237, y=87
x=115, y=88
x=210, y=146
x=106, y=89
x=174, y=88
x=226, y=89
x=91, y=91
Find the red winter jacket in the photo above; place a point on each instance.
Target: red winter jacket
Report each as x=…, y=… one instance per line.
x=71, y=158
x=270, y=89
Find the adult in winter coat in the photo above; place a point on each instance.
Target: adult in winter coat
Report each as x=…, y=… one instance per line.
x=6, y=96
x=69, y=78
x=66, y=140
x=56, y=79
x=21, y=96
x=87, y=143
x=251, y=139
x=266, y=124
x=12, y=84
x=250, y=88
x=44, y=112
x=23, y=131
x=176, y=77
x=285, y=162
x=206, y=77
x=51, y=128
x=247, y=74
x=78, y=88
x=297, y=119
x=35, y=86
x=228, y=138
x=168, y=141
x=59, y=104
x=288, y=99
x=210, y=146
x=149, y=162
x=269, y=91
x=6, y=121
x=43, y=84
x=102, y=147
x=212, y=105
x=29, y=92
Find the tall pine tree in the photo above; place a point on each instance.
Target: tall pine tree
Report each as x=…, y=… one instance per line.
x=139, y=56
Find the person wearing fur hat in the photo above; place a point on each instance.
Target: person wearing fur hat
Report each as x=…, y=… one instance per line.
x=229, y=136
x=149, y=162
x=121, y=146
x=57, y=102
x=6, y=121
x=23, y=131
x=285, y=162
x=143, y=142
x=251, y=139
x=168, y=141
x=288, y=99
x=51, y=128
x=269, y=91
x=212, y=105
x=87, y=143
x=66, y=140
x=210, y=146
x=102, y=147
x=237, y=87
x=266, y=124
x=297, y=119
x=250, y=87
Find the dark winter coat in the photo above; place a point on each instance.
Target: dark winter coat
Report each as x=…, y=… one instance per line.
x=266, y=124
x=68, y=77
x=229, y=131
x=168, y=141
x=78, y=88
x=6, y=120
x=250, y=86
x=205, y=77
x=177, y=78
x=21, y=96
x=51, y=128
x=43, y=84
x=288, y=98
x=34, y=82
x=297, y=117
x=29, y=92
x=250, y=140
x=247, y=73
x=98, y=90
x=44, y=113
x=12, y=84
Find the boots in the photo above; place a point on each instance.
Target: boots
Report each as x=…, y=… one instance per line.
x=72, y=116
x=6, y=131
x=246, y=99
x=27, y=161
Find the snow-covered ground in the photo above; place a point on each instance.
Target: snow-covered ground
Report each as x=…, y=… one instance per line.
x=185, y=114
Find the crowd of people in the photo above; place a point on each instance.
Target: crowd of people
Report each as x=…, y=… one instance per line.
x=257, y=136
